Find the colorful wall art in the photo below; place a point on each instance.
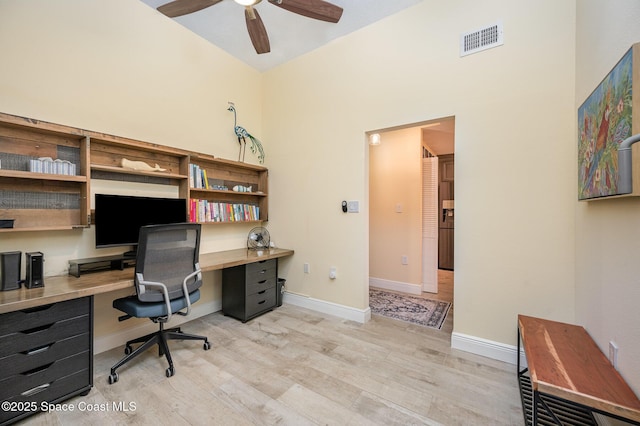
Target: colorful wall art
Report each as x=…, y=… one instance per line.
x=604, y=120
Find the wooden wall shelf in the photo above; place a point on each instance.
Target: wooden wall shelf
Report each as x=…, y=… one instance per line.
x=62, y=202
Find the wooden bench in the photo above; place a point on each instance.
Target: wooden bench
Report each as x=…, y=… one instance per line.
x=568, y=377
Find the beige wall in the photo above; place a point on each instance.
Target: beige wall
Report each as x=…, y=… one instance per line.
x=608, y=231
x=121, y=68
x=515, y=153
x=395, y=178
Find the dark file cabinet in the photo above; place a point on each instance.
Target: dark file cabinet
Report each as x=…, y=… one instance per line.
x=46, y=355
x=249, y=290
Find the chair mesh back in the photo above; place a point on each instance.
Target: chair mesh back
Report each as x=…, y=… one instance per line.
x=167, y=254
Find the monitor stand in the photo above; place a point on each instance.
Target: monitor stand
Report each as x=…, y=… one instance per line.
x=78, y=267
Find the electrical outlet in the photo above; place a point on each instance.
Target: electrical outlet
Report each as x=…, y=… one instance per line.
x=307, y=268
x=405, y=259
x=613, y=354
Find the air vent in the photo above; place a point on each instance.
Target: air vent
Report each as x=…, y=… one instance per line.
x=482, y=39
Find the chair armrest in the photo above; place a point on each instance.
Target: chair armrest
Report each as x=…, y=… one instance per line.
x=185, y=290
x=161, y=287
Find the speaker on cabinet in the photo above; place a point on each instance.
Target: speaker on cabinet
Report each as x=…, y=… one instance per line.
x=35, y=270
x=10, y=263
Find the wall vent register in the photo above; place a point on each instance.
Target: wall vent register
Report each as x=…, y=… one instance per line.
x=482, y=39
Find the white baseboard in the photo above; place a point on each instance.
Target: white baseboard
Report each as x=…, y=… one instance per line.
x=487, y=348
x=113, y=340
x=395, y=286
x=330, y=308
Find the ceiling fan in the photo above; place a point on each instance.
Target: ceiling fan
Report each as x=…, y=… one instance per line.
x=316, y=9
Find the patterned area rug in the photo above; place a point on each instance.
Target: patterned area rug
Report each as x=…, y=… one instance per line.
x=416, y=310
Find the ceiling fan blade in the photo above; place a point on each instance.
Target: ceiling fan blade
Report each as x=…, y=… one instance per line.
x=316, y=9
x=184, y=7
x=257, y=32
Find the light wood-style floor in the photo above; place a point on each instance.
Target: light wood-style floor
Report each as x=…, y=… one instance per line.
x=294, y=366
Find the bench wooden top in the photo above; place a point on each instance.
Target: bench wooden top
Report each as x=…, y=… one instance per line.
x=564, y=361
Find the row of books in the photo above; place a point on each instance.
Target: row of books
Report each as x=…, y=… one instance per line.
x=53, y=167
x=211, y=211
x=198, y=179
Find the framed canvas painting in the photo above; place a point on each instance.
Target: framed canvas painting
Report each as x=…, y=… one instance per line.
x=605, y=119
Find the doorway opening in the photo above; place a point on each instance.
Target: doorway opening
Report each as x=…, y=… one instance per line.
x=412, y=208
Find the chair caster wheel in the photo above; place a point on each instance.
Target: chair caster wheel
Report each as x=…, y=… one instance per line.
x=113, y=377
x=206, y=346
x=127, y=350
x=170, y=371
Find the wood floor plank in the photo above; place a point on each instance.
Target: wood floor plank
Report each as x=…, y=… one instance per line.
x=296, y=367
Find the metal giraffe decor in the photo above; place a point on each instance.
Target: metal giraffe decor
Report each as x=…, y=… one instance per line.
x=242, y=134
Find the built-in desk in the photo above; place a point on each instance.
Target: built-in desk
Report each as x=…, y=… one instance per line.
x=46, y=334
x=61, y=288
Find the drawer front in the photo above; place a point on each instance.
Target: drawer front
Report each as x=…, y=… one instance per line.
x=26, y=361
x=55, y=391
x=35, y=338
x=258, y=266
x=43, y=315
x=258, y=286
x=264, y=272
x=30, y=383
x=261, y=301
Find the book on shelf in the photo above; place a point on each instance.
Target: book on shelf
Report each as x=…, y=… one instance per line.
x=198, y=177
x=212, y=211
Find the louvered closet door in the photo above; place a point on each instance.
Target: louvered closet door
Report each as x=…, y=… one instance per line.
x=430, y=224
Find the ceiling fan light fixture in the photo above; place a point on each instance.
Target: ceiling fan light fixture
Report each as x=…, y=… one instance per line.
x=247, y=2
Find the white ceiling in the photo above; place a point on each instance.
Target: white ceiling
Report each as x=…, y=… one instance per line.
x=290, y=35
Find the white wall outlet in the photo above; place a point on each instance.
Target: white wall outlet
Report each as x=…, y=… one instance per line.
x=332, y=273
x=405, y=259
x=613, y=354
x=306, y=268
x=398, y=208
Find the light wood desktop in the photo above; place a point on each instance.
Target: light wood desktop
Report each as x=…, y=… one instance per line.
x=66, y=287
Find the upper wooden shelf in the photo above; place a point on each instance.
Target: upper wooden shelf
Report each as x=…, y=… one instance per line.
x=198, y=157
x=41, y=176
x=122, y=170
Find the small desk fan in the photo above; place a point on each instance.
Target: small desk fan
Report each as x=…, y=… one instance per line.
x=258, y=238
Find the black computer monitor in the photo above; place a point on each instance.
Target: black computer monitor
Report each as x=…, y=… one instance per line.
x=118, y=218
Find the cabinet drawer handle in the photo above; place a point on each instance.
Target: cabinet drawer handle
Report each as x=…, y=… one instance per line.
x=262, y=292
x=261, y=302
x=37, y=370
x=37, y=350
x=35, y=390
x=37, y=309
x=262, y=282
x=37, y=329
x=262, y=271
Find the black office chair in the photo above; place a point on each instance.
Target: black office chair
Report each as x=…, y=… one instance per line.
x=167, y=280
